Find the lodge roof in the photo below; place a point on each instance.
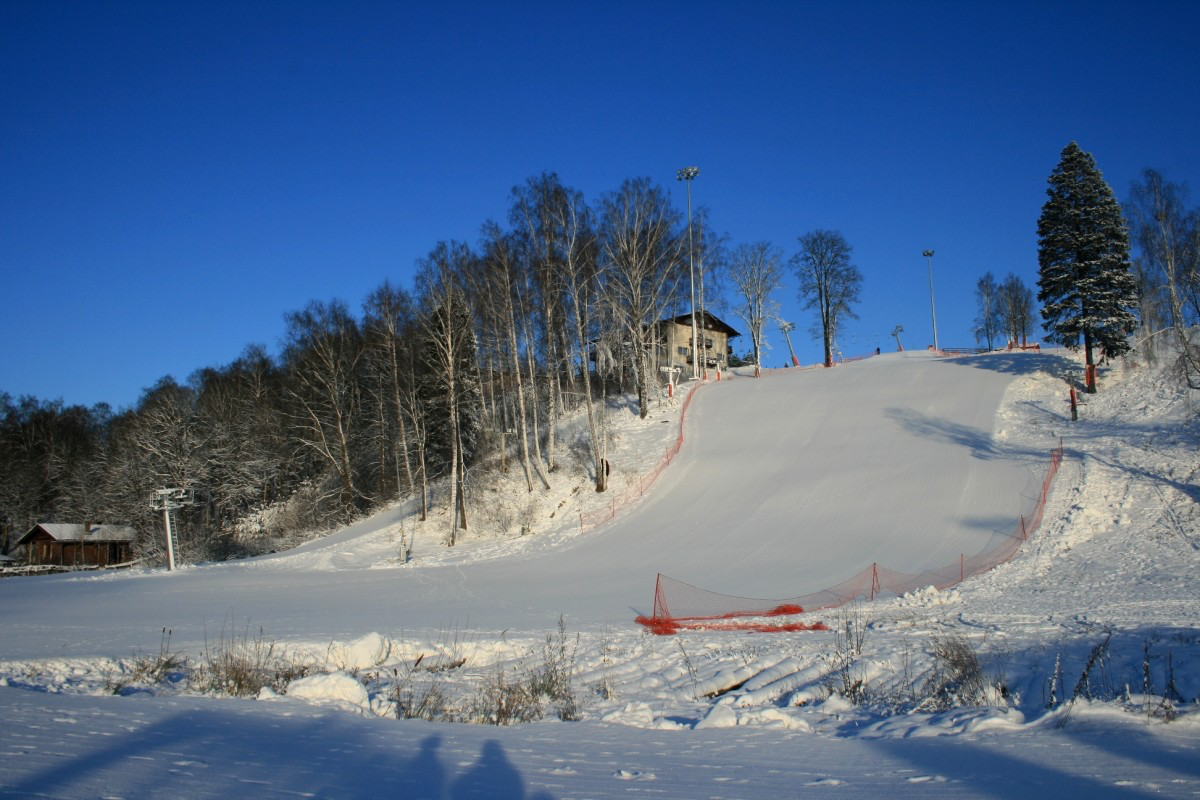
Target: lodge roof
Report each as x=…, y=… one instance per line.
x=75, y=532
x=707, y=321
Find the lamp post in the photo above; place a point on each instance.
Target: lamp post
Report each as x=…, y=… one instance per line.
x=686, y=175
x=932, y=308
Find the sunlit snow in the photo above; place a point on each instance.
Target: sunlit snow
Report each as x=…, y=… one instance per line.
x=784, y=485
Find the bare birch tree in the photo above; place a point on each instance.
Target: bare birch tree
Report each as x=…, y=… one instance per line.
x=448, y=357
x=641, y=254
x=499, y=283
x=829, y=283
x=534, y=216
x=1167, y=235
x=757, y=272
x=322, y=351
x=989, y=322
x=389, y=323
x=1016, y=309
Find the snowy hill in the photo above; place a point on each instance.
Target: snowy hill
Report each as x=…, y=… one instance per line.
x=784, y=486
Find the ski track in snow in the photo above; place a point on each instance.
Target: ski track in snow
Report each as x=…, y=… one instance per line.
x=700, y=714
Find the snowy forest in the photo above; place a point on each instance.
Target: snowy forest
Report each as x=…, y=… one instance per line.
x=474, y=367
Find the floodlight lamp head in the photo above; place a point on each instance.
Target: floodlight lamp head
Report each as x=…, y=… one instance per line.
x=687, y=173
x=927, y=253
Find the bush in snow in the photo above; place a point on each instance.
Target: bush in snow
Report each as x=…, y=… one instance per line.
x=151, y=669
x=957, y=678
x=553, y=679
x=243, y=665
x=503, y=700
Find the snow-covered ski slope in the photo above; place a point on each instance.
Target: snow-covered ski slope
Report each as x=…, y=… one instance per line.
x=784, y=486
x=1088, y=639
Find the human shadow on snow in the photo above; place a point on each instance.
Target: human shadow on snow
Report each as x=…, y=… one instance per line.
x=324, y=756
x=996, y=774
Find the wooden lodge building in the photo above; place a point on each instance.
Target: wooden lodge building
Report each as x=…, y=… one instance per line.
x=675, y=343
x=75, y=545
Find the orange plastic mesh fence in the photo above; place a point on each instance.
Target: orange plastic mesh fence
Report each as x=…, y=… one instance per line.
x=635, y=493
x=679, y=606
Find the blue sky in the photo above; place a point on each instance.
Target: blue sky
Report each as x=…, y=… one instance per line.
x=174, y=177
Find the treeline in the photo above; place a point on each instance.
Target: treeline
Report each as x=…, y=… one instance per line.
x=489, y=348
x=1166, y=233
x=1006, y=312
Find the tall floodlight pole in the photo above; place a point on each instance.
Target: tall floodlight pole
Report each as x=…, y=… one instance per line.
x=686, y=175
x=932, y=308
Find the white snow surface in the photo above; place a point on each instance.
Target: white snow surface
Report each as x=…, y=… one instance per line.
x=784, y=485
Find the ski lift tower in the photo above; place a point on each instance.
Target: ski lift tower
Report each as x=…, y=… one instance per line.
x=167, y=500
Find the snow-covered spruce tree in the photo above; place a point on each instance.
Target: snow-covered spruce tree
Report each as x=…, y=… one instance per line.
x=1085, y=283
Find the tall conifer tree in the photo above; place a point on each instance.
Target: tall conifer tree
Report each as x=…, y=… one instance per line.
x=1085, y=283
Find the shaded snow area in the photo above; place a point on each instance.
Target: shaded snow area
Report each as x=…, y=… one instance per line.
x=510, y=666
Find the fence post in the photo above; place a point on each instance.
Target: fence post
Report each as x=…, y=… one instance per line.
x=1024, y=534
x=962, y=566
x=874, y=580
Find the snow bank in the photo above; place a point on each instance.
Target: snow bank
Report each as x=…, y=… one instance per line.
x=336, y=689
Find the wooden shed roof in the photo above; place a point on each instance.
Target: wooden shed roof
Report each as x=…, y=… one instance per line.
x=75, y=532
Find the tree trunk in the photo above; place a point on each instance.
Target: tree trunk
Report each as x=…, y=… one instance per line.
x=537, y=437
x=460, y=470
x=521, y=414
x=1090, y=368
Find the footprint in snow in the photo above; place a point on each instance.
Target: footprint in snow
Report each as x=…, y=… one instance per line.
x=633, y=775
x=826, y=782
x=927, y=779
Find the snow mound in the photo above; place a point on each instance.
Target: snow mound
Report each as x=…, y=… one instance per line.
x=639, y=715
x=336, y=689
x=365, y=652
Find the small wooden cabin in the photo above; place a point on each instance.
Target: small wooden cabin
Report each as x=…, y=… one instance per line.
x=75, y=545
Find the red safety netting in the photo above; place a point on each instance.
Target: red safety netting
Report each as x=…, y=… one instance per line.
x=679, y=606
x=635, y=493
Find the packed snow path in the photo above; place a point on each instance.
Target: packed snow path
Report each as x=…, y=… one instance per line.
x=785, y=485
